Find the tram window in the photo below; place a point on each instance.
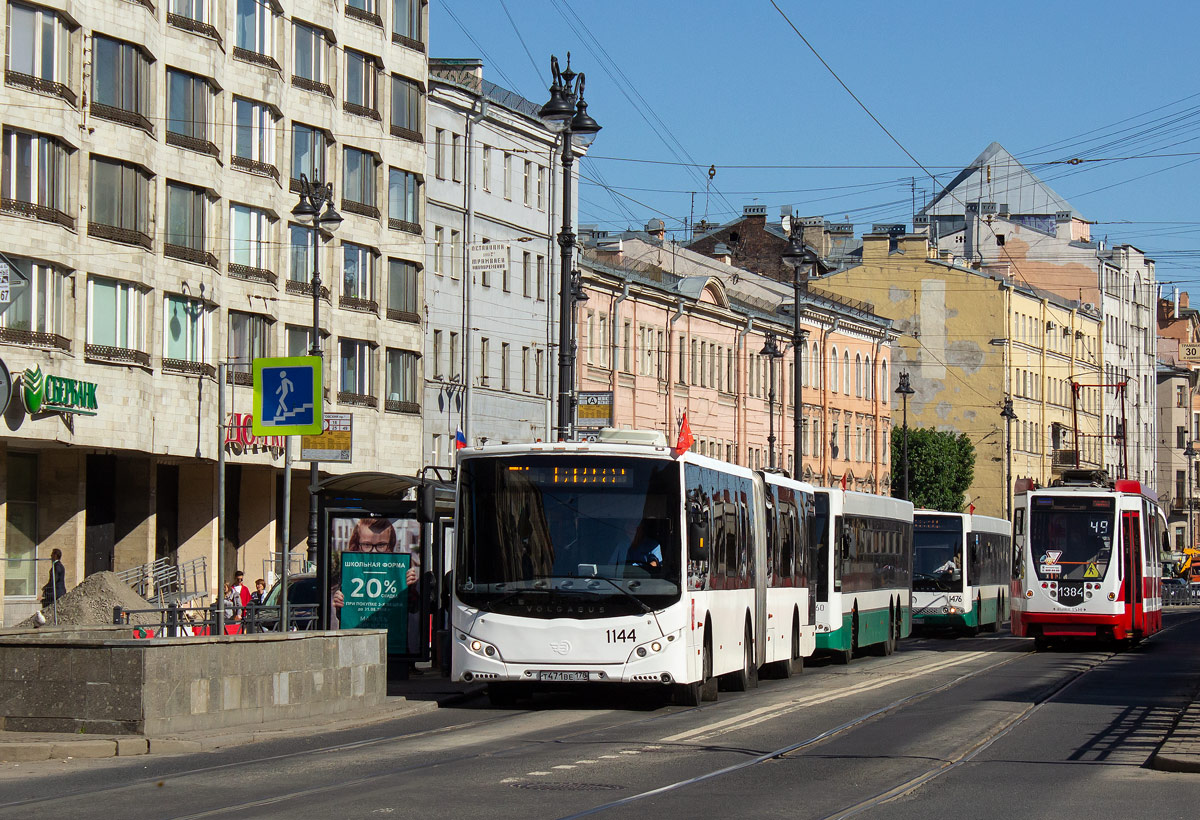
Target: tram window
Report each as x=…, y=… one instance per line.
x=1019, y=521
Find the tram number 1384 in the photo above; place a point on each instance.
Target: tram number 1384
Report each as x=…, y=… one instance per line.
x=620, y=635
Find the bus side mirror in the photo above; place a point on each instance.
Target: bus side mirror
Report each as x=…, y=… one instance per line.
x=426, y=504
x=697, y=547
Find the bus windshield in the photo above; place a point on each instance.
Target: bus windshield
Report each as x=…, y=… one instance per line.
x=1071, y=538
x=937, y=552
x=568, y=535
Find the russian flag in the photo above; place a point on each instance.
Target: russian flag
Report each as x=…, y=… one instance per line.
x=460, y=439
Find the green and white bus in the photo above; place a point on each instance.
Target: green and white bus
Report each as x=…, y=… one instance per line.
x=863, y=572
x=962, y=565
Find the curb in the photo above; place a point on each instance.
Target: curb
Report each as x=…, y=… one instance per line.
x=64, y=748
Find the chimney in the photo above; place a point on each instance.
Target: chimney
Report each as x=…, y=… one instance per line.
x=657, y=228
x=1183, y=300
x=915, y=245
x=815, y=235
x=722, y=253
x=876, y=246
x=757, y=213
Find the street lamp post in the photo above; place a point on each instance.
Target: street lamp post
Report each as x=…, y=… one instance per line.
x=798, y=257
x=904, y=391
x=308, y=210
x=1009, y=417
x=771, y=351
x=566, y=114
x=1189, y=453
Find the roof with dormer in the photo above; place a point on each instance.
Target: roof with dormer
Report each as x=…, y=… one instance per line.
x=997, y=177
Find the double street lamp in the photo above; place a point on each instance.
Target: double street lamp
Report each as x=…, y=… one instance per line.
x=566, y=114
x=904, y=391
x=772, y=352
x=1009, y=417
x=314, y=196
x=799, y=257
x=1189, y=453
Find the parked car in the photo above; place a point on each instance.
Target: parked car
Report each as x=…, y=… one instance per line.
x=1174, y=583
x=302, y=605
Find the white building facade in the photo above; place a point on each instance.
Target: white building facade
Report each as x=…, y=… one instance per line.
x=490, y=337
x=152, y=158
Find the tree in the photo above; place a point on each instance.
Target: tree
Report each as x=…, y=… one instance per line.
x=941, y=467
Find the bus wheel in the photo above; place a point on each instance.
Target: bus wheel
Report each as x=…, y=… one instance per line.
x=793, y=664
x=888, y=645
x=747, y=677
x=971, y=631
x=687, y=694
x=708, y=687
x=844, y=656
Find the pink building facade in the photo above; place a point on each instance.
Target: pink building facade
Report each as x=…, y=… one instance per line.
x=667, y=331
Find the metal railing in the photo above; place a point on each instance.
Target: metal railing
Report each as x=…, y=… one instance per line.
x=174, y=621
x=166, y=582
x=1180, y=594
x=298, y=564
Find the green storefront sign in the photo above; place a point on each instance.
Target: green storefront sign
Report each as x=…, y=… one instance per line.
x=375, y=595
x=57, y=394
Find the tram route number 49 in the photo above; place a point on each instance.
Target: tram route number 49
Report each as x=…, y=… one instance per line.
x=620, y=635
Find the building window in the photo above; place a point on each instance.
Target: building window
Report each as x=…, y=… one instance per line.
x=484, y=361
x=541, y=277
x=36, y=308
x=121, y=82
x=255, y=30
x=21, y=530
x=358, y=276
x=250, y=240
x=185, y=237
x=358, y=182
x=537, y=372
x=254, y=138
x=508, y=161
x=299, y=340
x=362, y=76
x=455, y=373
x=357, y=367
x=188, y=115
x=833, y=371
x=1180, y=438
x=402, y=380
x=249, y=339
x=404, y=200
x=406, y=109
x=119, y=206
x=116, y=315
x=439, y=153
x=456, y=157
x=436, y=354
x=439, y=249
x=403, y=278
x=485, y=164
x=310, y=55
x=407, y=22
x=35, y=177
x=505, y=284
x=504, y=365
x=527, y=187
x=39, y=51
x=300, y=246
x=858, y=375
x=185, y=328
x=308, y=154
x=541, y=187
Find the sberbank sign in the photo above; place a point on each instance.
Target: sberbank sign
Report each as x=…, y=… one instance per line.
x=56, y=394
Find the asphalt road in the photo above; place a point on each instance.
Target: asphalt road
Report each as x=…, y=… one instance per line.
x=971, y=728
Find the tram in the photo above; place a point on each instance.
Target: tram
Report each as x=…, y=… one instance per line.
x=863, y=572
x=1086, y=560
x=623, y=561
x=962, y=566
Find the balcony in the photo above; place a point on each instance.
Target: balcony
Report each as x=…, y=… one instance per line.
x=312, y=85
x=126, y=236
x=248, y=56
x=357, y=399
x=360, y=208
x=362, y=305
x=186, y=368
x=196, y=144
x=362, y=14
x=33, y=338
x=409, y=316
x=398, y=406
x=39, y=212
x=245, y=378
x=361, y=110
x=32, y=83
x=408, y=42
x=122, y=115
x=304, y=289
x=404, y=225
x=193, y=255
x=116, y=355
x=1064, y=458
x=254, y=166
x=407, y=133
x=252, y=274
x=194, y=26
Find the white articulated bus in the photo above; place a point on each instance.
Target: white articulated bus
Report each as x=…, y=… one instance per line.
x=622, y=561
x=950, y=592
x=863, y=572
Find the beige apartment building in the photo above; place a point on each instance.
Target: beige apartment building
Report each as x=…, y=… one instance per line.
x=152, y=157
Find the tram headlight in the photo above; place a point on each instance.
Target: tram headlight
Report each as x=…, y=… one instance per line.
x=1112, y=596
x=1029, y=593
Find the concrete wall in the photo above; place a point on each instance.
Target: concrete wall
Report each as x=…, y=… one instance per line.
x=95, y=681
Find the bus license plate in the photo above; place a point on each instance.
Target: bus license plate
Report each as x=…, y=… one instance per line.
x=581, y=677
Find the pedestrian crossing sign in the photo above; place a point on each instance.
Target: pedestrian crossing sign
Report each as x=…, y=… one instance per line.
x=288, y=396
x=1091, y=571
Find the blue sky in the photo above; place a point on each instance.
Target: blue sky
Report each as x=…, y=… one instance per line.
x=731, y=84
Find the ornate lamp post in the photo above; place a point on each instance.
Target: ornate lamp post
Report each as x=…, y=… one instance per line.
x=1009, y=417
x=799, y=257
x=904, y=391
x=566, y=114
x=771, y=351
x=314, y=196
x=1189, y=453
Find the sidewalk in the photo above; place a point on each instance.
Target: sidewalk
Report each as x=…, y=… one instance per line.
x=418, y=694
x=1180, y=752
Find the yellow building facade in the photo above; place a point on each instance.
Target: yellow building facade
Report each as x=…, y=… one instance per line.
x=970, y=341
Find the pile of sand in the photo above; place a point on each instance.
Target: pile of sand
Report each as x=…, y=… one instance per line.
x=91, y=603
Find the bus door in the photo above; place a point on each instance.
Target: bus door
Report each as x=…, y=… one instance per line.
x=1131, y=524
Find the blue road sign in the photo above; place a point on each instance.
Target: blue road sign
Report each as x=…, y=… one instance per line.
x=287, y=396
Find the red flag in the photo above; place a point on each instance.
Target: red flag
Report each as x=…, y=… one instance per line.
x=843, y=481
x=971, y=509
x=686, y=440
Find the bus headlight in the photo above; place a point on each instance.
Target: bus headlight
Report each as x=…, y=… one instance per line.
x=647, y=649
x=480, y=647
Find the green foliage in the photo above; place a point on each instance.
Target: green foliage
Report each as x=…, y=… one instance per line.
x=941, y=468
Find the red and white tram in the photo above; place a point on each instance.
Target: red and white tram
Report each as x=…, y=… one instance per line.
x=1086, y=560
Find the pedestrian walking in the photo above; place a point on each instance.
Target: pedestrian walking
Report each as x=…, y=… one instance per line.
x=56, y=585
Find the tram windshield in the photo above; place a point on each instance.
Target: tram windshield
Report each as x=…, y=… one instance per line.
x=937, y=553
x=1071, y=538
x=568, y=536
